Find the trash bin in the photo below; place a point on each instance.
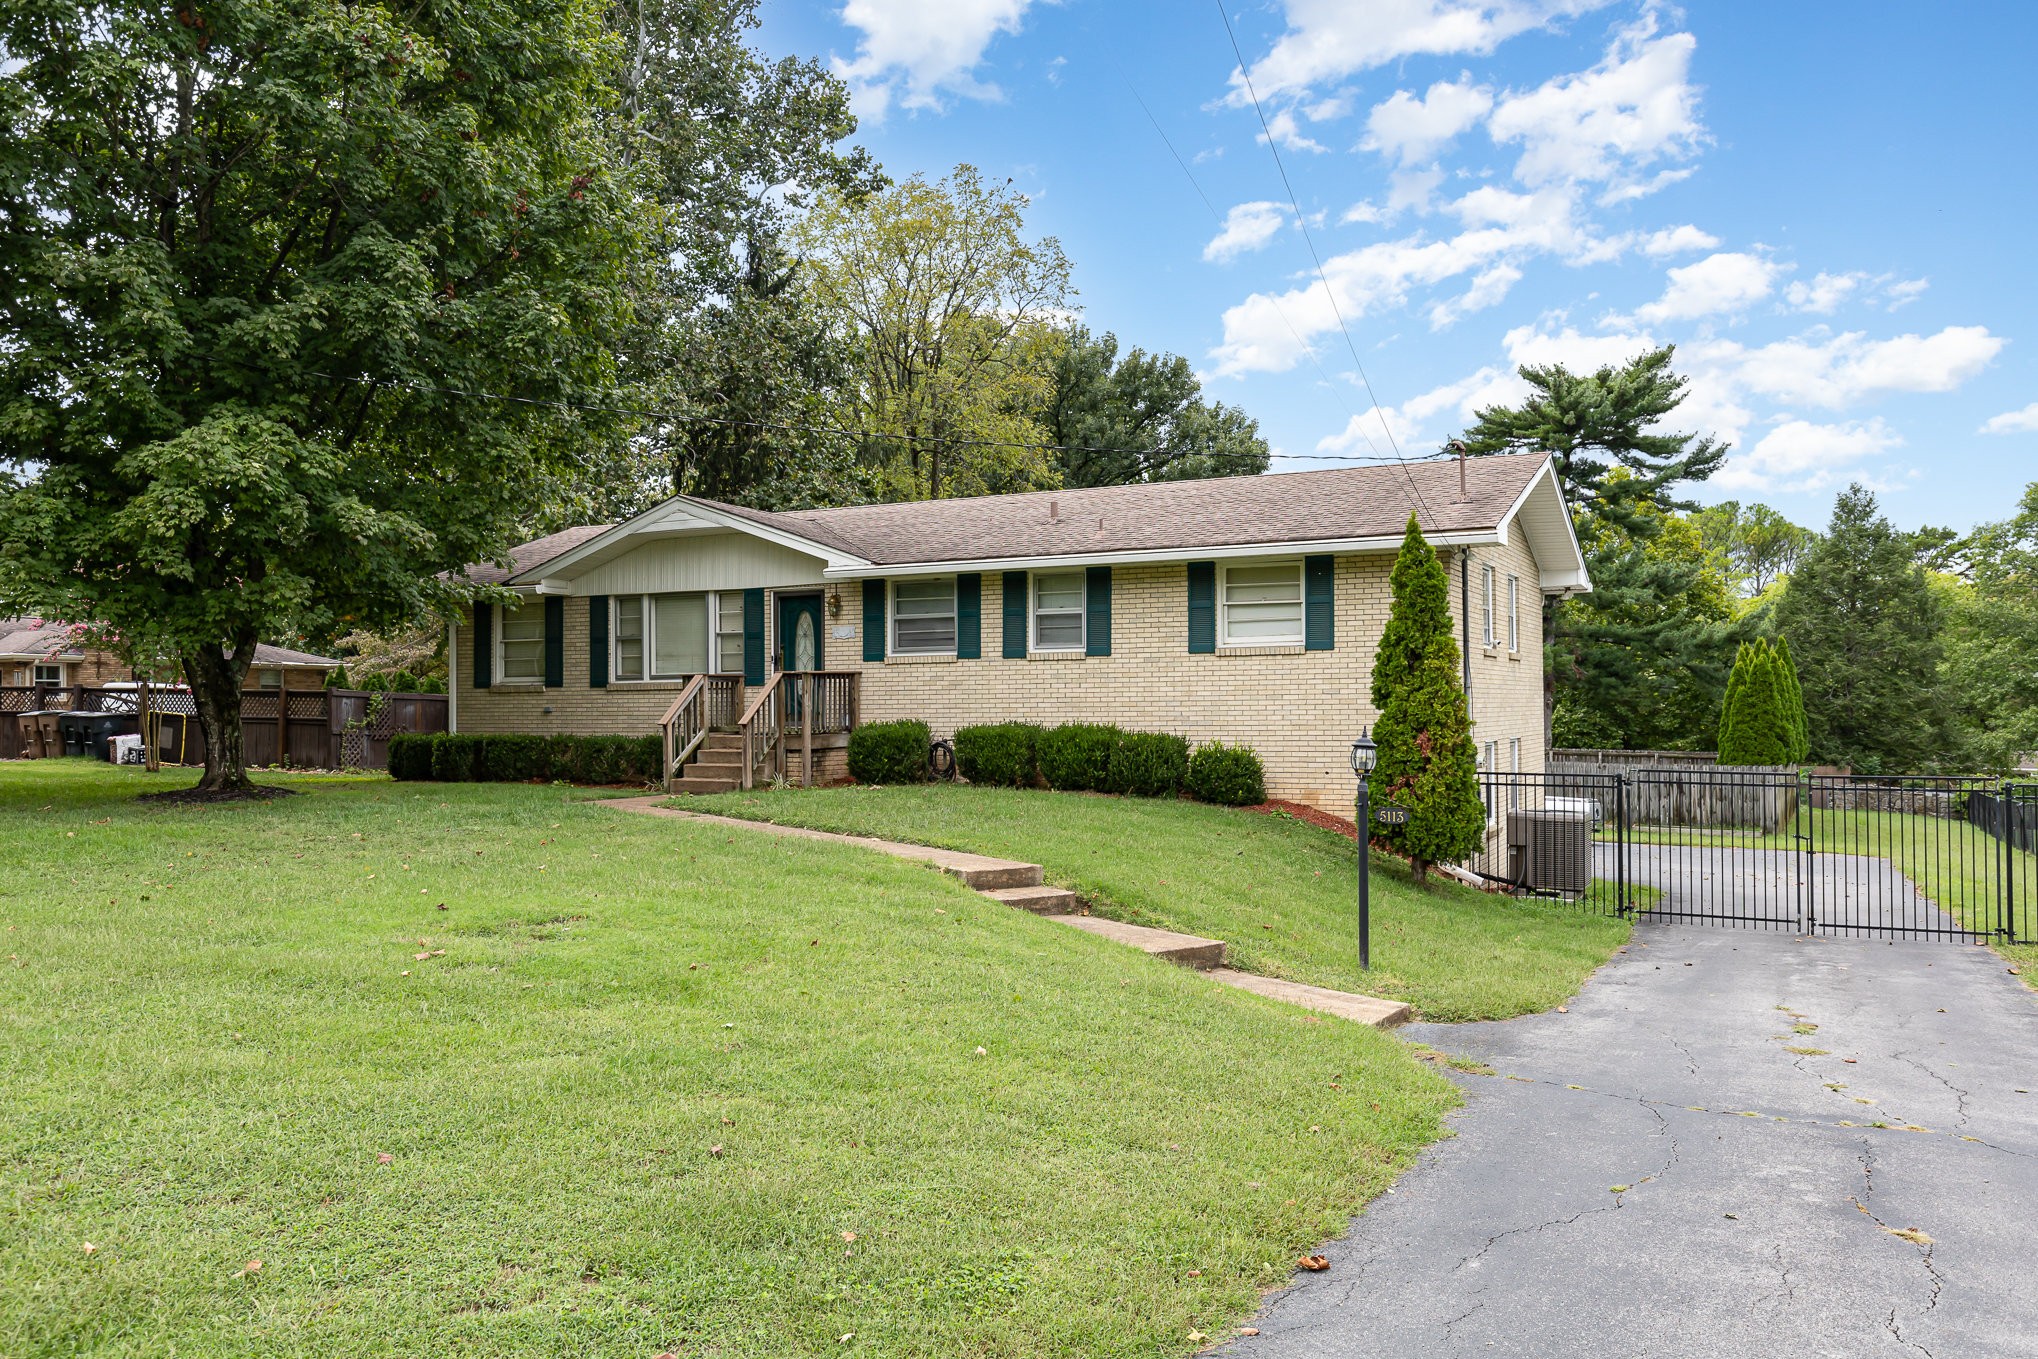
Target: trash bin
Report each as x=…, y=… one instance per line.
x=88, y=733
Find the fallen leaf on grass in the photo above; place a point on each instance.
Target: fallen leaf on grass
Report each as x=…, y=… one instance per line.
x=419, y=957
x=1197, y=1337
x=383, y=1158
x=251, y=1267
x=715, y=1150
x=1315, y=1264
x=849, y=1236
x=89, y=1248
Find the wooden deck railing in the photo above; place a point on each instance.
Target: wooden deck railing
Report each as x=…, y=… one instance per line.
x=315, y=728
x=815, y=707
x=707, y=703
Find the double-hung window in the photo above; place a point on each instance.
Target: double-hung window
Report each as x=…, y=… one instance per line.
x=664, y=637
x=522, y=643
x=1058, y=611
x=49, y=672
x=1261, y=604
x=1514, y=613
x=923, y=616
x=1486, y=597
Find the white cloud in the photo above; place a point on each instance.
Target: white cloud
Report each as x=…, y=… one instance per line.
x=1288, y=133
x=1413, y=190
x=1725, y=282
x=1681, y=240
x=1411, y=129
x=1487, y=290
x=1532, y=346
x=1799, y=455
x=1247, y=227
x=1330, y=39
x=1906, y=292
x=1363, y=212
x=914, y=51
x=1824, y=293
x=2024, y=421
x=1328, y=108
x=1634, y=108
x=1411, y=420
x=1834, y=371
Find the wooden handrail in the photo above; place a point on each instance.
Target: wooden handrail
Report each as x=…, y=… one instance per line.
x=770, y=685
x=696, y=682
x=675, y=745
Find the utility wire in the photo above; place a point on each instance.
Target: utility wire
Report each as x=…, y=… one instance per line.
x=1280, y=311
x=791, y=427
x=1302, y=222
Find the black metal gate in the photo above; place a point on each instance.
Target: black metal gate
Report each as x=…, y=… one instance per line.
x=1916, y=857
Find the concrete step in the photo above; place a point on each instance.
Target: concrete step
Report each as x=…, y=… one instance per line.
x=1187, y=949
x=1039, y=900
x=985, y=874
x=694, y=783
x=1381, y=1014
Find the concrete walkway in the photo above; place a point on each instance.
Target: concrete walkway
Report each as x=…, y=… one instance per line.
x=1020, y=885
x=1682, y=1165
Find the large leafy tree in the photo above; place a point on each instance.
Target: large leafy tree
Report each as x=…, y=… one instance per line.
x=1621, y=470
x=1754, y=544
x=1992, y=646
x=1140, y=417
x=1427, y=761
x=948, y=308
x=249, y=253
x=1865, y=627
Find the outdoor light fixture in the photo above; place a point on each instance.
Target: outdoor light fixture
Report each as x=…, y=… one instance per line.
x=1365, y=755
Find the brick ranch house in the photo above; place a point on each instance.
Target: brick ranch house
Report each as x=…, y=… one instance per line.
x=1245, y=609
x=44, y=654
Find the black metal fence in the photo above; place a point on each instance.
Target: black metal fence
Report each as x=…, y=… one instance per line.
x=1919, y=857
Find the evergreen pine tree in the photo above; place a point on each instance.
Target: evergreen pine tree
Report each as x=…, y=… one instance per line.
x=1755, y=725
x=1737, y=679
x=1864, y=625
x=1793, y=695
x=1427, y=761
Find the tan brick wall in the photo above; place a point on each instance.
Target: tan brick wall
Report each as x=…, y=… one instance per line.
x=1299, y=709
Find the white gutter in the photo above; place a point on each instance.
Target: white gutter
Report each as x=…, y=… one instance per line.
x=1217, y=552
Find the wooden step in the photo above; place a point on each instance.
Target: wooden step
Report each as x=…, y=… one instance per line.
x=694, y=783
x=722, y=740
x=1039, y=900
x=717, y=768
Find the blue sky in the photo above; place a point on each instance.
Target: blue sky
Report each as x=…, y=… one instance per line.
x=1829, y=210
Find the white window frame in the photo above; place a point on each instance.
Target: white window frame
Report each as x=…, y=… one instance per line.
x=1514, y=613
x=534, y=608
x=718, y=664
x=268, y=677
x=1224, y=637
x=1081, y=611
x=892, y=617
x=1486, y=600
x=35, y=675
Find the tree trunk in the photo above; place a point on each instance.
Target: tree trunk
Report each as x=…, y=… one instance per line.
x=216, y=676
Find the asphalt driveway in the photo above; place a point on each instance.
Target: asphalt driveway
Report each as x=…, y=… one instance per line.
x=1658, y=1173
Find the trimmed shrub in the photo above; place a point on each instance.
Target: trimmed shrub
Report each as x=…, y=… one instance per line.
x=1076, y=757
x=889, y=752
x=514, y=759
x=410, y=755
x=1149, y=764
x=456, y=757
x=1001, y=754
x=645, y=758
x=1230, y=776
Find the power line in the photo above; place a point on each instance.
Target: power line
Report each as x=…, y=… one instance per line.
x=1280, y=311
x=792, y=427
x=1315, y=258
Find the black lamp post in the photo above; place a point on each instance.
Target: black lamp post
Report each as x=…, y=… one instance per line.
x=1365, y=754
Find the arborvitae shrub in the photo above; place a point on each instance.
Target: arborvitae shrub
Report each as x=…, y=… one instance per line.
x=1148, y=764
x=1231, y=776
x=1076, y=757
x=889, y=752
x=410, y=755
x=1001, y=754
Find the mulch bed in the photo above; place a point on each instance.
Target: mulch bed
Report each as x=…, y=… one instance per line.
x=1302, y=811
x=213, y=796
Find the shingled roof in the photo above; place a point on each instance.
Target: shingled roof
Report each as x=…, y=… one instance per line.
x=1287, y=507
x=537, y=552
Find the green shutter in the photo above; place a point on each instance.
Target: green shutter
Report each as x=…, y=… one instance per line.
x=969, y=616
x=753, y=636
x=1319, y=614
x=555, y=641
x=484, y=645
x=1202, y=607
x=1015, y=615
x=597, y=641
x=873, y=620
x=1097, y=610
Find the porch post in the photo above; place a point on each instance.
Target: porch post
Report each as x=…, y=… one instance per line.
x=807, y=730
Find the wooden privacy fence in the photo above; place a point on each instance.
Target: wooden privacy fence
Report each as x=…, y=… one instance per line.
x=1686, y=793
x=312, y=728
x=1620, y=761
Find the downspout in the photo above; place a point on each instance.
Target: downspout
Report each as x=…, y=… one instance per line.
x=1465, y=615
x=453, y=673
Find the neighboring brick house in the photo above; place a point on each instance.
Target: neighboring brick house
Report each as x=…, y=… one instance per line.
x=35, y=651
x=1245, y=609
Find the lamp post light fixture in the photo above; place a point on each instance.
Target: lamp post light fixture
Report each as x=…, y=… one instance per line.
x=1365, y=755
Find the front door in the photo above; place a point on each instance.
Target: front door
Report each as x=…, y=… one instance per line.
x=799, y=642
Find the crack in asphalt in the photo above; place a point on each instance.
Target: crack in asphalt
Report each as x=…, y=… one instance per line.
x=1924, y=1248
x=1959, y=1095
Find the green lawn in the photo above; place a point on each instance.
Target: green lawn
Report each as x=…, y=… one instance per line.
x=667, y=1087
x=1280, y=892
